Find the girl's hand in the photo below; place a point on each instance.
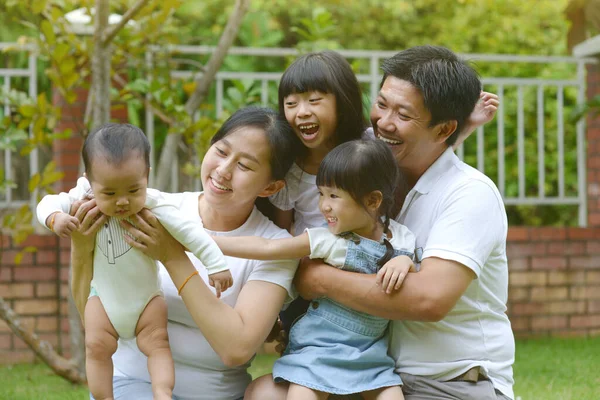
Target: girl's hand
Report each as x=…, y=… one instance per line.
x=484, y=110
x=392, y=274
x=90, y=220
x=149, y=236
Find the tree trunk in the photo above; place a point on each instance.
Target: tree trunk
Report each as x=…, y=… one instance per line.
x=42, y=349
x=76, y=337
x=203, y=83
x=101, y=67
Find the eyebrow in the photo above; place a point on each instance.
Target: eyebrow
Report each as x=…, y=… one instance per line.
x=243, y=153
x=401, y=105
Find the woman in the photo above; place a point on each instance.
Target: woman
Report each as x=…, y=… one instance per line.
x=212, y=340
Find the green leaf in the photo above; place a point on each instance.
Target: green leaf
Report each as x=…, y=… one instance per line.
x=48, y=32
x=60, y=51
x=38, y=6
x=42, y=103
x=27, y=110
x=19, y=258
x=34, y=182
x=30, y=249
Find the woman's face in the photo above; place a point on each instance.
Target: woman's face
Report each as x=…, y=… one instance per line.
x=236, y=169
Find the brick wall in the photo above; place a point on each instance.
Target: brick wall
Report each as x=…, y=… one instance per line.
x=554, y=281
x=36, y=290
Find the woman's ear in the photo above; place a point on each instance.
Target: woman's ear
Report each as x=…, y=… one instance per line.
x=373, y=200
x=273, y=188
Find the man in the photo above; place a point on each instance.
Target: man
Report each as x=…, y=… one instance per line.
x=451, y=338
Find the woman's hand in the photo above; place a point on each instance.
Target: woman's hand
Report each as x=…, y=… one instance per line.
x=149, y=236
x=90, y=220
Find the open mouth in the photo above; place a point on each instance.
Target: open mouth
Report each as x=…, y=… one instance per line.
x=389, y=141
x=331, y=220
x=219, y=186
x=308, y=131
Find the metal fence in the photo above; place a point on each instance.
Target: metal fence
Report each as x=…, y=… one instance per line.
x=12, y=173
x=530, y=107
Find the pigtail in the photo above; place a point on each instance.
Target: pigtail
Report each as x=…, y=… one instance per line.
x=389, y=249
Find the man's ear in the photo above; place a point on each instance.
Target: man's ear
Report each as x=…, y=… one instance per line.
x=373, y=200
x=445, y=130
x=273, y=188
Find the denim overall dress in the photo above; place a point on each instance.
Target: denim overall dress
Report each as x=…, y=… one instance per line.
x=335, y=349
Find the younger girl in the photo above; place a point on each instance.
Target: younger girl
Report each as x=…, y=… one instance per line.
x=333, y=349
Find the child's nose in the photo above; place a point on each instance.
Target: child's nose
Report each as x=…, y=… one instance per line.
x=303, y=110
x=122, y=201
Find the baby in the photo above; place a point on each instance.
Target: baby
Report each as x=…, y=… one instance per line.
x=125, y=297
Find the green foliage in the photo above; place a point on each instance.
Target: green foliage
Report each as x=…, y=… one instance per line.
x=466, y=26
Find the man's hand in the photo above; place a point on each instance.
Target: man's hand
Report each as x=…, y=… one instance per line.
x=392, y=274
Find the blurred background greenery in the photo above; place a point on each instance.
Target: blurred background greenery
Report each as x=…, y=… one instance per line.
x=465, y=26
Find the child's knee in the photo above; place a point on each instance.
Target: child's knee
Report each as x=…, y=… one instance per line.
x=100, y=345
x=152, y=338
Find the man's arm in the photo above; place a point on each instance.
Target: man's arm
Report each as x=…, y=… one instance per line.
x=424, y=296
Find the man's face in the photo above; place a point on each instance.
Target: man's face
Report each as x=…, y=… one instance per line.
x=400, y=119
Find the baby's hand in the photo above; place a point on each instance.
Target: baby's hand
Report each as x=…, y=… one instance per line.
x=221, y=281
x=484, y=110
x=392, y=274
x=63, y=224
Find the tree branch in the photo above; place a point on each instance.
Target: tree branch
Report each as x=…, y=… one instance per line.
x=159, y=113
x=41, y=348
x=111, y=32
x=203, y=83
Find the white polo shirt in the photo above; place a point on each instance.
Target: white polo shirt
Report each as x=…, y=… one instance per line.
x=457, y=213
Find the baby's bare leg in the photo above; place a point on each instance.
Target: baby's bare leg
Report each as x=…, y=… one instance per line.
x=100, y=344
x=297, y=392
x=153, y=341
x=388, y=393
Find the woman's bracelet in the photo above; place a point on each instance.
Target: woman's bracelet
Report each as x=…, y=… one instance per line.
x=186, y=281
x=51, y=225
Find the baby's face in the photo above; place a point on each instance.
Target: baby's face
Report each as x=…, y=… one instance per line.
x=119, y=189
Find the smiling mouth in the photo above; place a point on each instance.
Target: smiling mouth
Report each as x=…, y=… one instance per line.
x=219, y=186
x=308, y=131
x=389, y=141
x=331, y=220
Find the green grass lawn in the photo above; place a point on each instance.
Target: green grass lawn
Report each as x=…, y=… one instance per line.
x=544, y=369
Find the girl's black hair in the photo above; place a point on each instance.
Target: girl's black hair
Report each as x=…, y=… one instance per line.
x=360, y=167
x=115, y=142
x=327, y=72
x=284, y=143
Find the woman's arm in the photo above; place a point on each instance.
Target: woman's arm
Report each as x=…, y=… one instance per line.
x=259, y=248
x=235, y=333
x=82, y=250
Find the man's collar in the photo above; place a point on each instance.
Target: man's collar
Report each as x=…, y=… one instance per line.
x=443, y=163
